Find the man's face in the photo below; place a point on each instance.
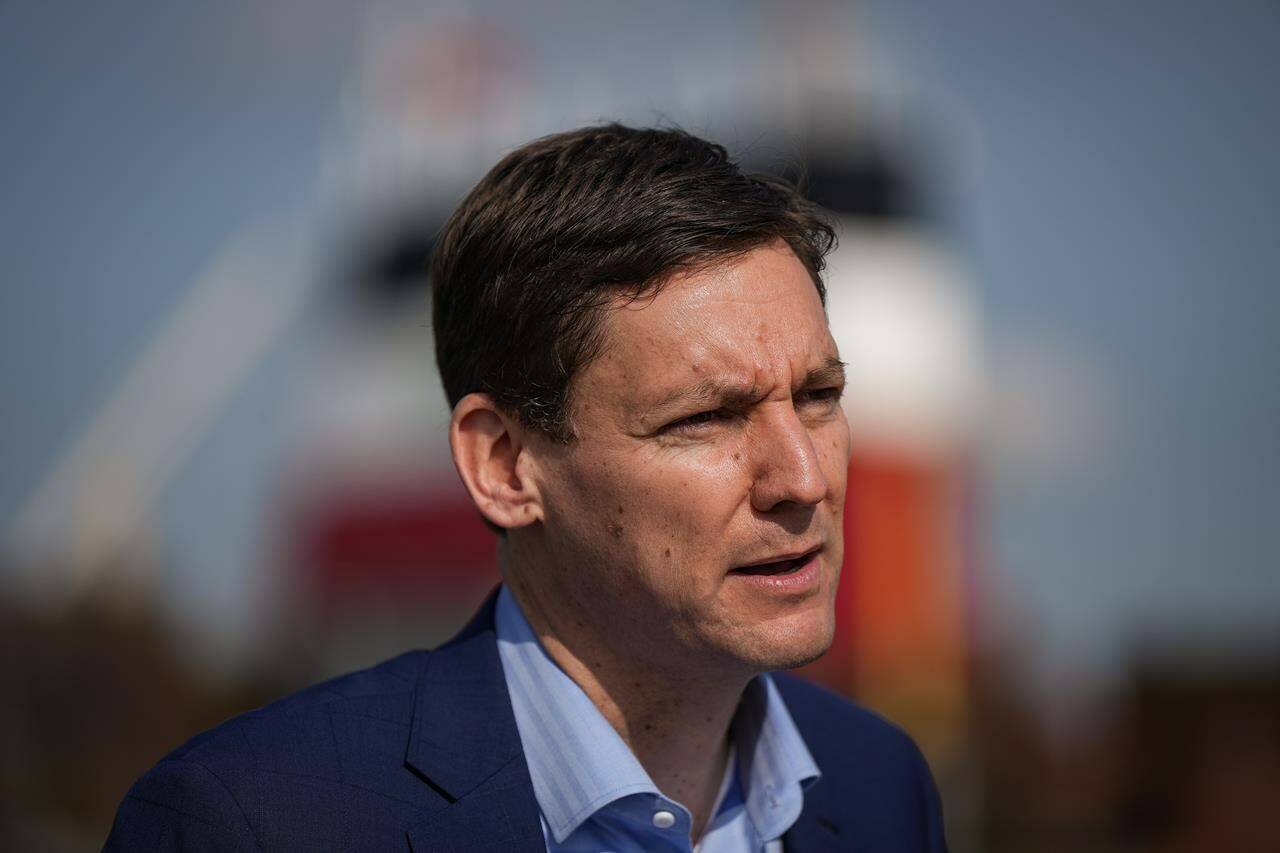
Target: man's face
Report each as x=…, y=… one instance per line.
x=696, y=518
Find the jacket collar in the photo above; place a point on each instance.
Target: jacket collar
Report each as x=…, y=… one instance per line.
x=815, y=829
x=464, y=743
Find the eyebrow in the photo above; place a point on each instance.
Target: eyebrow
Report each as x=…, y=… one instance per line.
x=716, y=392
x=830, y=373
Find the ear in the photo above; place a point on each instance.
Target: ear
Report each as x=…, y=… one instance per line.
x=487, y=446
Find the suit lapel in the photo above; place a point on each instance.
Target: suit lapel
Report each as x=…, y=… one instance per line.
x=500, y=815
x=464, y=743
x=813, y=831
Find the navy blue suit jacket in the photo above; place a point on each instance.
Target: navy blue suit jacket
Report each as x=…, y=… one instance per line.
x=422, y=753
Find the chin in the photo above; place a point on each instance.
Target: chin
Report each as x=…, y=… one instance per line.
x=789, y=643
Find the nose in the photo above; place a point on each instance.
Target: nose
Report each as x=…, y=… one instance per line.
x=789, y=472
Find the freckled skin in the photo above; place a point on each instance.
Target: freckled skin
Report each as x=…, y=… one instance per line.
x=769, y=480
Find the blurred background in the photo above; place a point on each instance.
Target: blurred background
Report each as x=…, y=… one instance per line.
x=223, y=462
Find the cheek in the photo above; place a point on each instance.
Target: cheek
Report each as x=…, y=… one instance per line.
x=614, y=505
x=834, y=446
x=669, y=511
x=671, y=482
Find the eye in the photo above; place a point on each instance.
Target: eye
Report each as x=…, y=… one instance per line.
x=825, y=398
x=701, y=420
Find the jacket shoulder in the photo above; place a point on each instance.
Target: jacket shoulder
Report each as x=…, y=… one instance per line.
x=267, y=736
x=180, y=805
x=340, y=740
x=876, y=786
x=840, y=730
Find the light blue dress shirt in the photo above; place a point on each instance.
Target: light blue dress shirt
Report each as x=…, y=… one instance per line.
x=595, y=796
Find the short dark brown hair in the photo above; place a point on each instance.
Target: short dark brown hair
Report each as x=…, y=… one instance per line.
x=527, y=265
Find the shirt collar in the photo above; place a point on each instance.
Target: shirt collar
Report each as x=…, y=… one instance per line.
x=578, y=764
x=775, y=762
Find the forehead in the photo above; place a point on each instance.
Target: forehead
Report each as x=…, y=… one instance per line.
x=754, y=321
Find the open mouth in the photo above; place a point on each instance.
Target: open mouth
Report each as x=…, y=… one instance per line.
x=778, y=567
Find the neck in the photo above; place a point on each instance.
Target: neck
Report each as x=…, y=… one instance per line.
x=676, y=723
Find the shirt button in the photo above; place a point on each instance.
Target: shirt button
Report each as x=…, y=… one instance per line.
x=664, y=819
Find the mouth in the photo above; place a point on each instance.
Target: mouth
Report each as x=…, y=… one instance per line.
x=782, y=565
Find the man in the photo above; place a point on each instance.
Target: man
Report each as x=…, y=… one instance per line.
x=646, y=408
